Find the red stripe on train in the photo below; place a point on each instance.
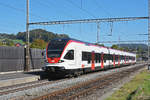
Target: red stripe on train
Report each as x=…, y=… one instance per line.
x=118, y=61
x=125, y=59
x=102, y=61
x=93, y=63
x=82, y=65
x=114, y=60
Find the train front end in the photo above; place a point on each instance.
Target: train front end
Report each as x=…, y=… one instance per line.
x=54, y=52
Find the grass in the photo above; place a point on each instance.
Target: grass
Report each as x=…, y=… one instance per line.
x=137, y=89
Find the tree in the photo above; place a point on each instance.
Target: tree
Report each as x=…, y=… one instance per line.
x=8, y=42
x=126, y=49
x=7, y=36
x=38, y=43
x=40, y=34
x=121, y=48
x=99, y=44
x=114, y=47
x=102, y=45
x=139, y=50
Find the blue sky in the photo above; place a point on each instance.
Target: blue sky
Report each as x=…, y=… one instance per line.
x=13, y=17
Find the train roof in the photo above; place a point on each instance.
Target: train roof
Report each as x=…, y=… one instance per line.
x=67, y=39
x=87, y=43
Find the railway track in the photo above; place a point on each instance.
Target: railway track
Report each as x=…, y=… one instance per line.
x=71, y=92
x=85, y=88
x=25, y=86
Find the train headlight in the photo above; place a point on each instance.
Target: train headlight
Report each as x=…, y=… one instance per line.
x=60, y=61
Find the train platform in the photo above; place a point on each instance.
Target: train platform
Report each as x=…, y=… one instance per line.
x=8, y=79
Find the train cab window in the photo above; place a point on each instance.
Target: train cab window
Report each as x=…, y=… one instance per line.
x=69, y=55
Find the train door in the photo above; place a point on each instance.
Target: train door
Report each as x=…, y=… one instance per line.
x=93, y=61
x=114, y=60
x=125, y=59
x=102, y=60
x=119, y=60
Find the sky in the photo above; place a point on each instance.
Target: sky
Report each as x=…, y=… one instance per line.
x=13, y=18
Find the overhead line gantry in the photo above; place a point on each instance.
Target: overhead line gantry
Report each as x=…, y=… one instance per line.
x=88, y=21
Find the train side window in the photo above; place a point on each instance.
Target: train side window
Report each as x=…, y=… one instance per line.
x=96, y=57
x=116, y=58
x=127, y=58
x=84, y=56
x=121, y=57
x=99, y=57
x=69, y=55
x=110, y=57
x=105, y=57
x=89, y=57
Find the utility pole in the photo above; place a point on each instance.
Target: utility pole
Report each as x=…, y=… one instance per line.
x=27, y=63
x=148, y=34
x=98, y=31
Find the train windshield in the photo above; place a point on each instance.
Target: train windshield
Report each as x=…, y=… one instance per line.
x=53, y=53
x=55, y=47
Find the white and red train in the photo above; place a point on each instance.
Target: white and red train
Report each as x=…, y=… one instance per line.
x=69, y=56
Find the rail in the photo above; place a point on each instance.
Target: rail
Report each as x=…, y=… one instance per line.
x=86, y=87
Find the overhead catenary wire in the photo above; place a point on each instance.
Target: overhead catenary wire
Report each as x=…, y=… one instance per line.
x=46, y=4
x=102, y=8
x=82, y=9
x=19, y=10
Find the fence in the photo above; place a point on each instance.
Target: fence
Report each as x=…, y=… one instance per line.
x=13, y=58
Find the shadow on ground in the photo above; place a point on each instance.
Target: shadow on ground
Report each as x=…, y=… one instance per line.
x=43, y=75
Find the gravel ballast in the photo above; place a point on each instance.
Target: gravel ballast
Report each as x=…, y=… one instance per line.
x=39, y=91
